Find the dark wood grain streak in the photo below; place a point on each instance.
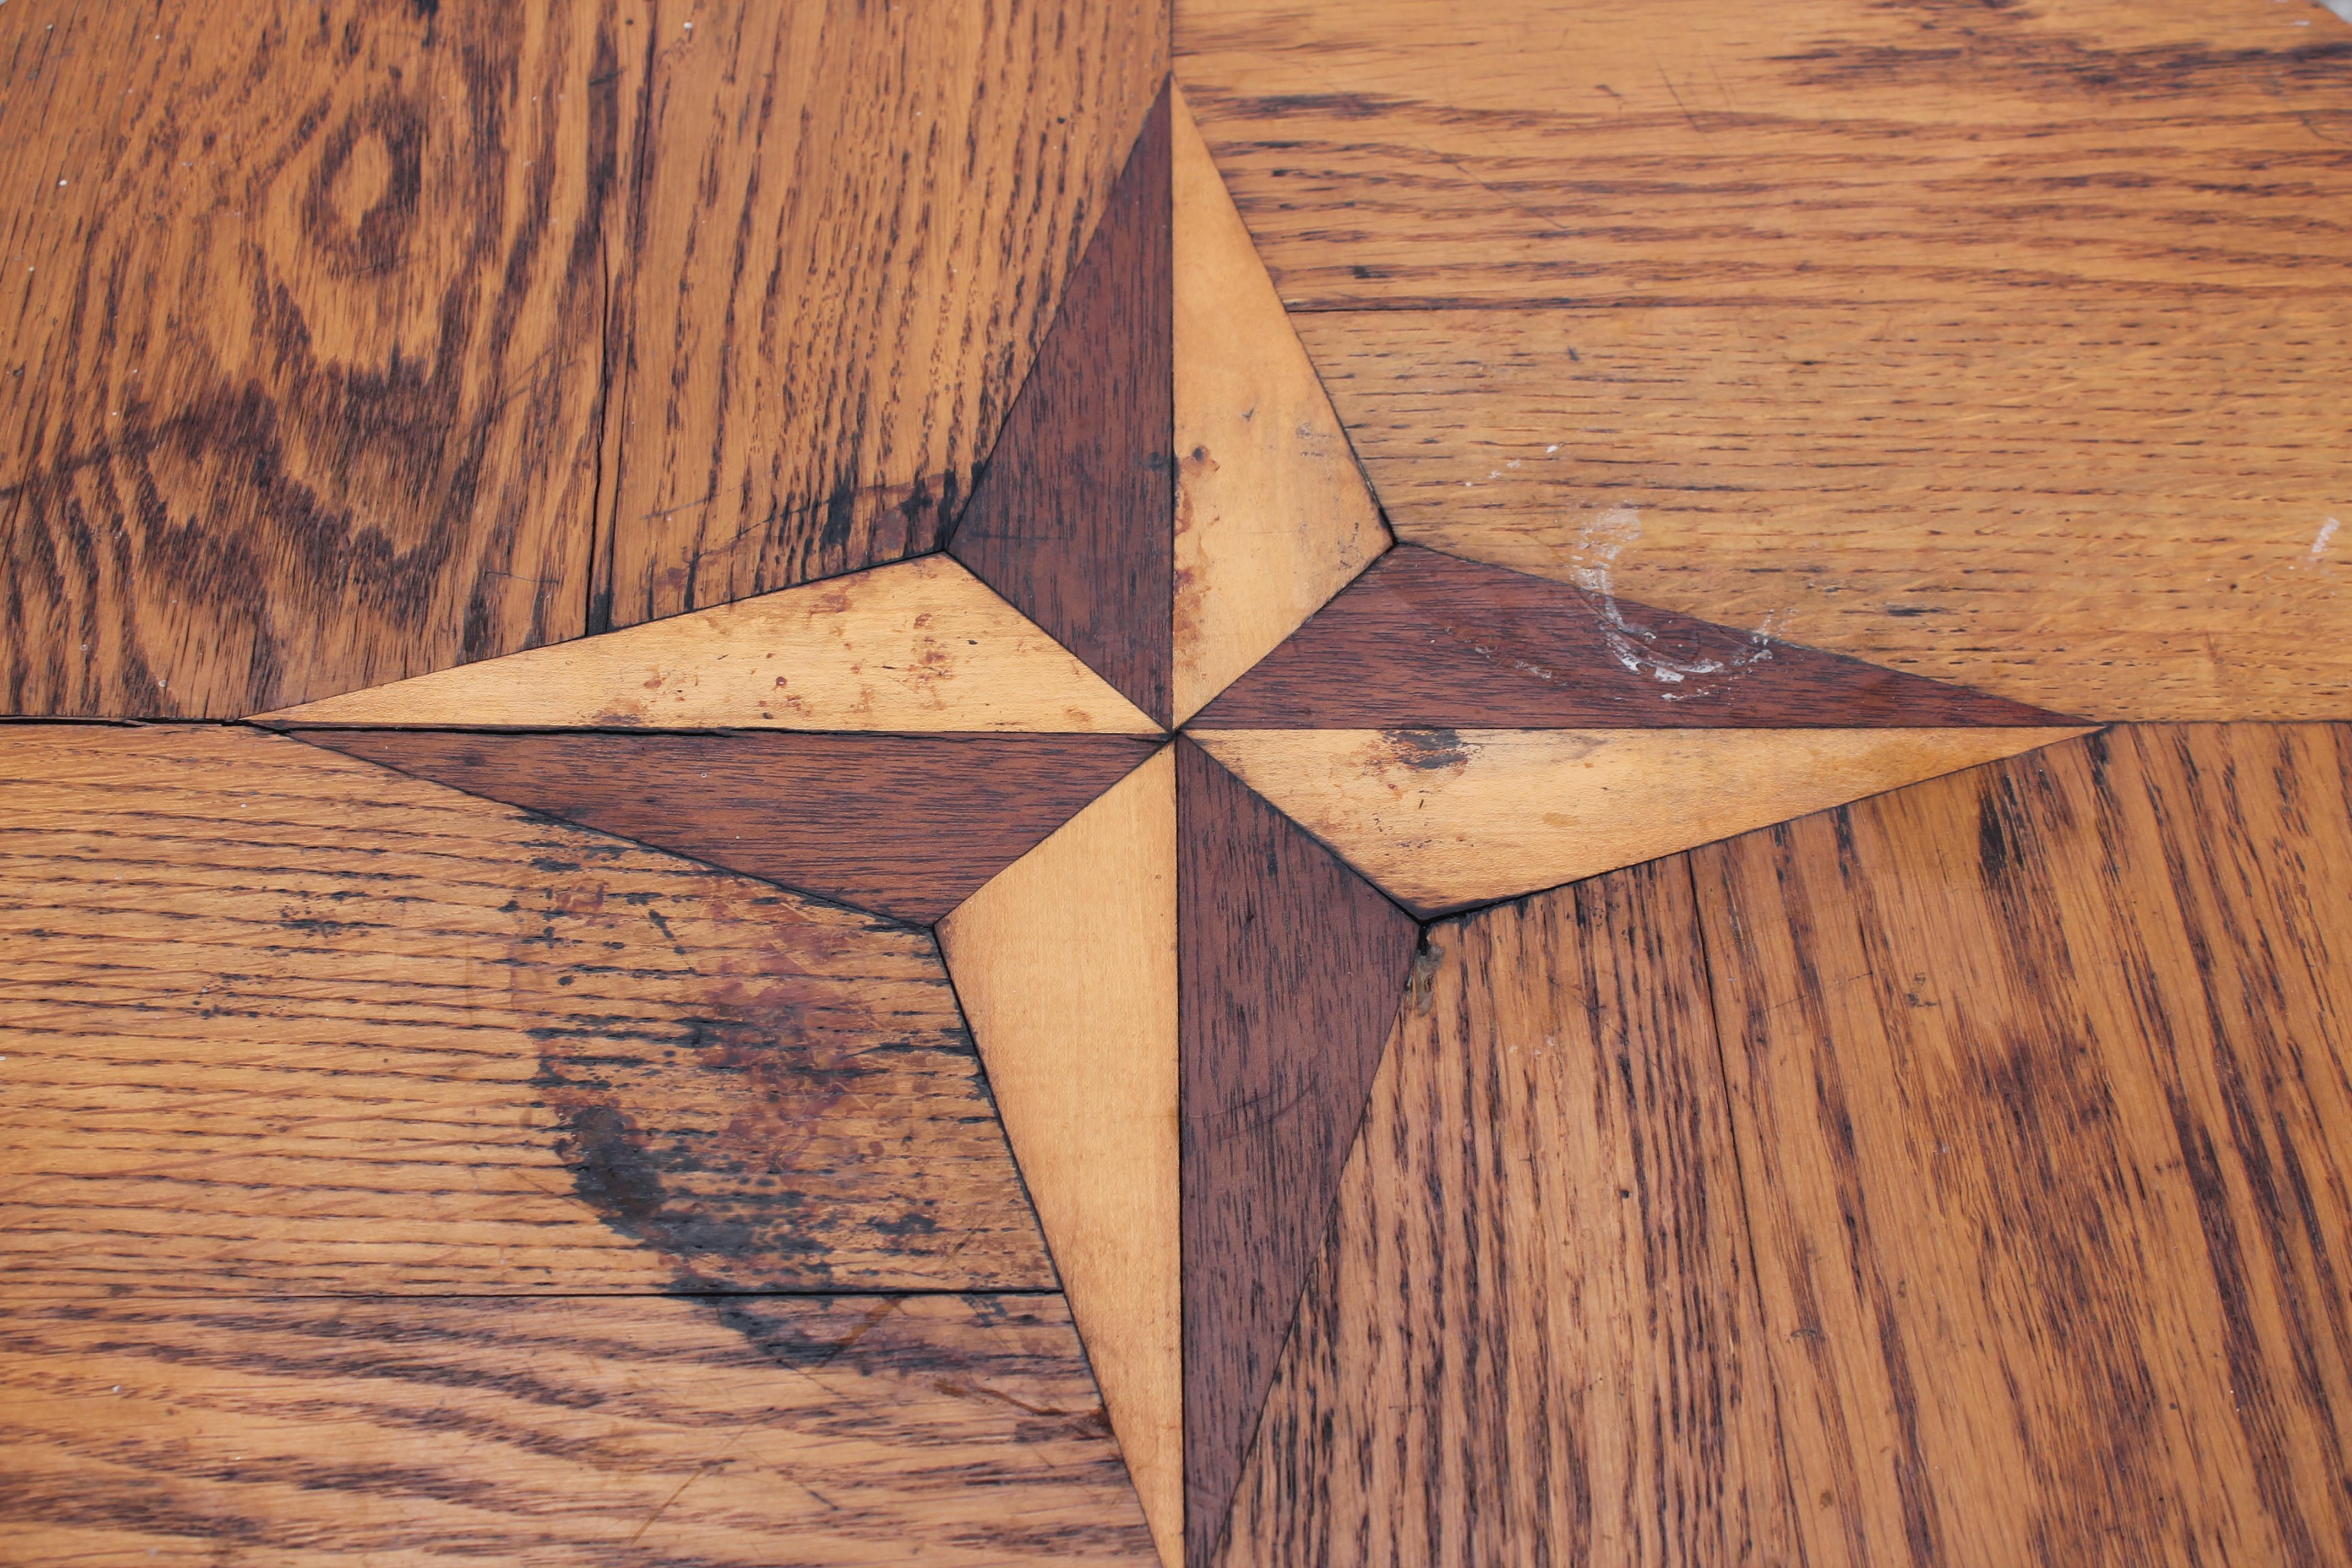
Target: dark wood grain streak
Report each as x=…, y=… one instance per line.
x=302, y=372
x=1425, y=640
x=739, y=1431
x=279, y=1020
x=906, y=825
x=1806, y=162
x=1074, y=518
x=2040, y=1075
x=1289, y=973
x=1533, y=1335
x=848, y=226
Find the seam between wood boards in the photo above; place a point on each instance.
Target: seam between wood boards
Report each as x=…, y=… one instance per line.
x=596, y=614
x=291, y=728
x=264, y=725
x=626, y=209
x=1184, y=1132
x=1073, y=258
x=9, y=1300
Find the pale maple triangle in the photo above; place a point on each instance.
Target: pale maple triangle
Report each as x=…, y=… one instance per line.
x=1273, y=515
x=1065, y=966
x=904, y=826
x=1444, y=819
x=1070, y=517
x=1292, y=967
x=919, y=646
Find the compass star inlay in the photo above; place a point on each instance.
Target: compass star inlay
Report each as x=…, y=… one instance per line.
x=1175, y=750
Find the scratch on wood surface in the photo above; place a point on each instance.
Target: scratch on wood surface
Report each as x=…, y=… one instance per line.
x=1592, y=560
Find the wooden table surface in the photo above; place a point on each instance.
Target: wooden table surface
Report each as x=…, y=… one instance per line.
x=1269, y=784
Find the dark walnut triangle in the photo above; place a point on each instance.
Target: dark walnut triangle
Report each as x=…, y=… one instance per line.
x=1073, y=519
x=908, y=826
x=1425, y=640
x=1291, y=972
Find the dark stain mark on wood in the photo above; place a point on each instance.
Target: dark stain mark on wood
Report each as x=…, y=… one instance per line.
x=751, y=1142
x=1424, y=751
x=357, y=1033
x=608, y=1163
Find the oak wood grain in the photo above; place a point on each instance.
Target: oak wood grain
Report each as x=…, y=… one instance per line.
x=921, y=646
x=1292, y=967
x=300, y=319
x=277, y=1020
x=2040, y=1078
x=731, y=1430
x=1997, y=344
x=1065, y=965
x=1072, y=516
x=1426, y=640
x=847, y=229
x=905, y=826
x=1442, y=819
x=1273, y=517
x=1533, y=1334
